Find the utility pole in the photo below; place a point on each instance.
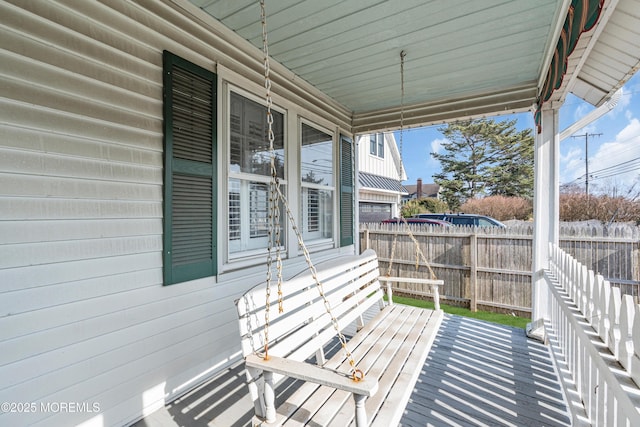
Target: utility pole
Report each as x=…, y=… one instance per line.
x=586, y=158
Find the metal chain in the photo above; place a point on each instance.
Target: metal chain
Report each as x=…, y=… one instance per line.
x=403, y=54
x=273, y=226
x=393, y=254
x=419, y=254
x=356, y=373
x=275, y=196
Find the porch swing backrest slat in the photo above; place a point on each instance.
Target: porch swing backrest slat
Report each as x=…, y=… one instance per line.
x=352, y=288
x=305, y=314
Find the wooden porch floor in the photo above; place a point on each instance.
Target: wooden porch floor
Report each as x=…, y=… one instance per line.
x=477, y=374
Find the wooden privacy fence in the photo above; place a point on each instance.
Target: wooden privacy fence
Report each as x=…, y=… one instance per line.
x=490, y=268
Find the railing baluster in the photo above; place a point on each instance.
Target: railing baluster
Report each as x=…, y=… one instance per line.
x=596, y=315
x=605, y=324
x=588, y=304
x=603, y=389
x=615, y=301
x=635, y=336
x=582, y=294
x=627, y=313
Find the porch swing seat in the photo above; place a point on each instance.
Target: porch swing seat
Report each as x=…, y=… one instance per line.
x=388, y=342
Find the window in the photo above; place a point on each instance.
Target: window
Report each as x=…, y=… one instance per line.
x=316, y=172
x=189, y=245
x=380, y=145
x=250, y=173
x=376, y=145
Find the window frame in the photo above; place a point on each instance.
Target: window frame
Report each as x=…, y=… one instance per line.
x=309, y=238
x=376, y=145
x=239, y=256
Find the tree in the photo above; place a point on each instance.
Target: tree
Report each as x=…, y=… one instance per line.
x=426, y=204
x=411, y=208
x=484, y=157
x=512, y=156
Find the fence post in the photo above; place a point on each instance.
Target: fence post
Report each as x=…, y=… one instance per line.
x=366, y=239
x=473, y=252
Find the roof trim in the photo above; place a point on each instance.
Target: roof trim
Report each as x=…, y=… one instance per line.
x=514, y=100
x=582, y=16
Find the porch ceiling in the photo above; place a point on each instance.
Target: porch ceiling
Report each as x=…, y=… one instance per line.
x=465, y=58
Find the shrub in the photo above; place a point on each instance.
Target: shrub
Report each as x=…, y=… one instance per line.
x=431, y=204
x=582, y=207
x=411, y=208
x=500, y=207
x=426, y=204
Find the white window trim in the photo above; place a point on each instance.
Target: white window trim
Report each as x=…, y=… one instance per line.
x=249, y=256
x=294, y=113
x=316, y=244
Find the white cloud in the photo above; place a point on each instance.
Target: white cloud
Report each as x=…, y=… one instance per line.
x=581, y=110
x=630, y=132
x=573, y=166
x=618, y=159
x=621, y=106
x=436, y=145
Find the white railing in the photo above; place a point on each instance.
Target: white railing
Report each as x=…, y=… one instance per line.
x=595, y=335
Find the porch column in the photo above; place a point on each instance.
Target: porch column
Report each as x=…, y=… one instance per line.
x=545, y=211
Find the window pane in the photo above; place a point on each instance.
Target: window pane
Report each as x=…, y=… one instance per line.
x=316, y=157
x=316, y=170
x=258, y=209
x=380, y=145
x=249, y=215
x=249, y=149
x=313, y=210
x=234, y=209
x=317, y=213
x=373, y=145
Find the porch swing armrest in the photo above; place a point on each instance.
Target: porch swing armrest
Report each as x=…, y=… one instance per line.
x=431, y=283
x=435, y=282
x=313, y=373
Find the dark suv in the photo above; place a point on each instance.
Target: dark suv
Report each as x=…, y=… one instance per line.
x=464, y=219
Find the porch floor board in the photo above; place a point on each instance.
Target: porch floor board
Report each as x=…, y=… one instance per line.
x=477, y=374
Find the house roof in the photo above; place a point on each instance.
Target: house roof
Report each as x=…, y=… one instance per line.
x=369, y=180
x=428, y=190
x=463, y=58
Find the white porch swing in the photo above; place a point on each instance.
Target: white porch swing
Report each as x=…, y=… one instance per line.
x=378, y=365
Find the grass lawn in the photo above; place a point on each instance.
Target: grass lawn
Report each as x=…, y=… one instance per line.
x=503, y=319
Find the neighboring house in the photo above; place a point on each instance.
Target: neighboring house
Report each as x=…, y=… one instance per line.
x=420, y=190
x=379, y=185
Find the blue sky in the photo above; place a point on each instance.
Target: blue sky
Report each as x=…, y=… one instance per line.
x=614, y=156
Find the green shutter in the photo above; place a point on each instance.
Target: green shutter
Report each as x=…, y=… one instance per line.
x=189, y=250
x=346, y=192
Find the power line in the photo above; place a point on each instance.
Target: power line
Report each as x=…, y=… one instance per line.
x=586, y=158
x=622, y=165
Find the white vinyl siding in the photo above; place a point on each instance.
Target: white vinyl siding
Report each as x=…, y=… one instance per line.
x=84, y=315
